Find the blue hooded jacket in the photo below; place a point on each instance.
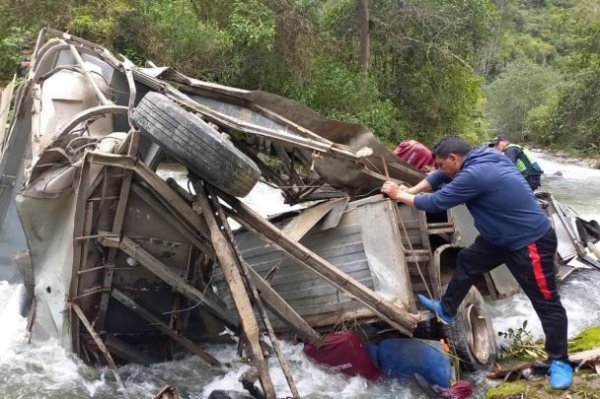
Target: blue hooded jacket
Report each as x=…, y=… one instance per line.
x=505, y=211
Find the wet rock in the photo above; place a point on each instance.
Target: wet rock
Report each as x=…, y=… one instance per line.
x=229, y=394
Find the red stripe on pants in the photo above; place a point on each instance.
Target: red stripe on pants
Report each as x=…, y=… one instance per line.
x=538, y=272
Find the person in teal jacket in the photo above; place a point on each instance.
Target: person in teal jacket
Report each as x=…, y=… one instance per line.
x=523, y=160
x=513, y=229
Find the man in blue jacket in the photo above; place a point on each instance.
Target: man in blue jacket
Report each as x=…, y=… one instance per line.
x=513, y=230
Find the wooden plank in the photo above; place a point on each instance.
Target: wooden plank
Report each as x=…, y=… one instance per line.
x=160, y=325
x=100, y=344
x=245, y=269
x=112, y=253
x=591, y=355
x=395, y=315
x=284, y=311
x=296, y=228
x=332, y=219
x=228, y=263
x=579, y=358
x=146, y=259
x=167, y=392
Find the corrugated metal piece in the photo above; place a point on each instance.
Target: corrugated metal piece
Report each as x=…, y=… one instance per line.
x=313, y=297
x=308, y=293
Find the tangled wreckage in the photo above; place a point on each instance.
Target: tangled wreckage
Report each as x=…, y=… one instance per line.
x=117, y=259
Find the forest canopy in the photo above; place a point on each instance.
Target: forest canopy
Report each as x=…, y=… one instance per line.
x=405, y=68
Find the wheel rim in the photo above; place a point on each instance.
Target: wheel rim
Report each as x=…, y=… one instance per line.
x=478, y=338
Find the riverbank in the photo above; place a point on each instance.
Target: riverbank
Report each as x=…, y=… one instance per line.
x=584, y=352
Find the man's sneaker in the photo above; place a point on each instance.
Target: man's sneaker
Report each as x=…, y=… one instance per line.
x=435, y=306
x=561, y=374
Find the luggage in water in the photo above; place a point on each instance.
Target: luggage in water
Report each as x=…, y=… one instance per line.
x=404, y=357
x=344, y=352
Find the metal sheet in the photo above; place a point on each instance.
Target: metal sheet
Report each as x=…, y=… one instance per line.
x=344, y=246
x=305, y=291
x=566, y=250
x=296, y=228
x=385, y=253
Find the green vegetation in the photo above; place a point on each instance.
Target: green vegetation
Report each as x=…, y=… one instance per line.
x=585, y=340
x=513, y=389
x=585, y=386
x=526, y=68
x=522, y=349
x=543, y=74
x=522, y=346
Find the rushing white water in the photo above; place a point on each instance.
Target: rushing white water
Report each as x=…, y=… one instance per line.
x=40, y=371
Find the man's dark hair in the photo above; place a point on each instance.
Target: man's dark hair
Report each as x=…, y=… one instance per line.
x=451, y=145
x=25, y=47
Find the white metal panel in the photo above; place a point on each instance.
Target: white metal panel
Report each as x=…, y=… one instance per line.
x=383, y=248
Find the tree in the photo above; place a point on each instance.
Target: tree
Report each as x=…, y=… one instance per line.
x=522, y=87
x=362, y=7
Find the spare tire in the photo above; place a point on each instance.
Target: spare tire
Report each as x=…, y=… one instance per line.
x=471, y=333
x=196, y=144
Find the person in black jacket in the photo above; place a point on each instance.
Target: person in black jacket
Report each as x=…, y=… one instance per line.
x=522, y=159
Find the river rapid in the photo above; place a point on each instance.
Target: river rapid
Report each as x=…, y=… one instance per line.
x=45, y=370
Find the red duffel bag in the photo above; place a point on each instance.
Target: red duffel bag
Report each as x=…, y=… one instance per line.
x=344, y=352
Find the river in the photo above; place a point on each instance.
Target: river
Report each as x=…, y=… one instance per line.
x=40, y=371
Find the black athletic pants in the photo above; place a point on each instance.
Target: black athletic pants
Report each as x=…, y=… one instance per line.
x=532, y=267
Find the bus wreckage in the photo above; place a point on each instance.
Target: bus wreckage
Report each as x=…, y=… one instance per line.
x=116, y=259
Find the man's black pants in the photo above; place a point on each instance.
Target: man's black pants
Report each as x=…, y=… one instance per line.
x=532, y=267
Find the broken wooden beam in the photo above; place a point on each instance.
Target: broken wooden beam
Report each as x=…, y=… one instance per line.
x=578, y=358
x=276, y=304
x=162, y=326
x=98, y=341
x=245, y=269
x=228, y=263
